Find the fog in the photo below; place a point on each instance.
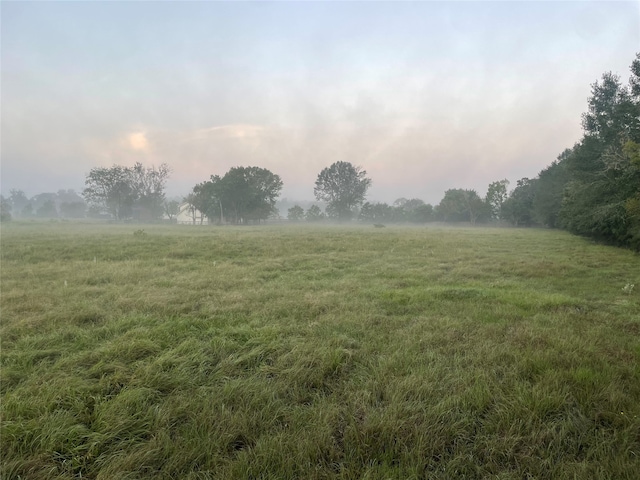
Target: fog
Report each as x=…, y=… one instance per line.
x=424, y=96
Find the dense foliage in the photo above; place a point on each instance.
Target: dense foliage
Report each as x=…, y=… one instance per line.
x=344, y=187
x=460, y=205
x=127, y=192
x=593, y=189
x=242, y=195
x=62, y=204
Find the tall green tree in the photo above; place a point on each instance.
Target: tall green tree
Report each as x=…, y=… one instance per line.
x=242, y=195
x=549, y=191
x=295, y=213
x=496, y=195
x=18, y=200
x=73, y=209
x=421, y=214
x=47, y=210
x=121, y=191
x=249, y=194
x=171, y=209
x=148, y=184
x=518, y=208
x=5, y=209
x=314, y=214
x=110, y=190
x=634, y=80
x=603, y=178
x=459, y=205
x=380, y=213
x=344, y=187
x=413, y=210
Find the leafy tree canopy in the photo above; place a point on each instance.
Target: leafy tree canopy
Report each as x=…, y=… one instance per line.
x=460, y=205
x=314, y=214
x=295, y=213
x=242, y=195
x=344, y=186
x=496, y=196
x=121, y=191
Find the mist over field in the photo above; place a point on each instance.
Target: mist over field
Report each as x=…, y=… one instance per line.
x=320, y=240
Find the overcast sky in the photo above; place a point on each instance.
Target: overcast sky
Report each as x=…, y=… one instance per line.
x=425, y=96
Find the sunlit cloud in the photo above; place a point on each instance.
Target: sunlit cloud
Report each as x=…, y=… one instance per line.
x=138, y=141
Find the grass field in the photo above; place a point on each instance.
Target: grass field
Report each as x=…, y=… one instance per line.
x=317, y=352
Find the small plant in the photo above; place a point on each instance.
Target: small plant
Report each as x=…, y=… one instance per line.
x=628, y=288
x=140, y=233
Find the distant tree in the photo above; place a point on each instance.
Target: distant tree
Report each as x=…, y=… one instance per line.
x=518, y=208
x=27, y=211
x=171, y=209
x=400, y=202
x=196, y=206
x=344, y=187
x=460, y=205
x=496, y=195
x=634, y=80
x=5, y=209
x=205, y=198
x=549, y=191
x=18, y=200
x=415, y=210
x=377, y=213
x=191, y=206
x=314, y=214
x=120, y=191
x=421, y=214
x=148, y=184
x=265, y=188
x=40, y=199
x=47, y=210
x=295, y=213
x=70, y=204
x=110, y=190
x=242, y=195
x=451, y=207
x=68, y=196
x=412, y=204
x=73, y=209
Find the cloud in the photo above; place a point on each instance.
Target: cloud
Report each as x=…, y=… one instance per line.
x=229, y=131
x=423, y=96
x=138, y=142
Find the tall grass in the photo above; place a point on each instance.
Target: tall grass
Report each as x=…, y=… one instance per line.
x=317, y=352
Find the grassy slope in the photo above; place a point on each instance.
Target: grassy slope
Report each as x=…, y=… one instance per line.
x=317, y=353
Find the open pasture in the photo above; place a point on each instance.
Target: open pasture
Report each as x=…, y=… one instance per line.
x=317, y=352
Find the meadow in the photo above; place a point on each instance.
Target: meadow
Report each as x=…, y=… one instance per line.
x=316, y=352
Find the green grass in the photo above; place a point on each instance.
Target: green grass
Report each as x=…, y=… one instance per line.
x=316, y=353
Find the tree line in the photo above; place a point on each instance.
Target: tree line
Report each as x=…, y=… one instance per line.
x=63, y=204
x=591, y=189
x=118, y=193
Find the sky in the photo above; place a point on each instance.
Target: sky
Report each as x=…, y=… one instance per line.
x=424, y=96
